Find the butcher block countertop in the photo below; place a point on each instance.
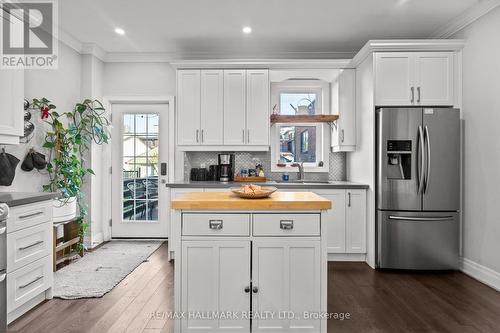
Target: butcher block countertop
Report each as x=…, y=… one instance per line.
x=229, y=201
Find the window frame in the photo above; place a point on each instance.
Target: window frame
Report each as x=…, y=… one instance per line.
x=322, y=91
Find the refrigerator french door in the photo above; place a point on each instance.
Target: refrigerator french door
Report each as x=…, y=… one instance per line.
x=418, y=187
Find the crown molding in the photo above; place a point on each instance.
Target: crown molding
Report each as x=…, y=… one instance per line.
x=401, y=45
x=69, y=40
x=467, y=17
x=95, y=50
x=260, y=63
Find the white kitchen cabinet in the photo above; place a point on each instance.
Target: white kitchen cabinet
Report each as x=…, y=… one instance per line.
x=285, y=278
x=336, y=222
x=29, y=257
x=434, y=78
x=12, y=97
x=223, y=109
x=215, y=275
x=212, y=108
x=414, y=78
x=245, y=268
x=355, y=221
x=188, y=107
x=394, y=78
x=344, y=97
x=257, y=111
x=346, y=221
x=234, y=107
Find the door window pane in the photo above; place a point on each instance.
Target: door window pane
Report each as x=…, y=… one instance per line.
x=140, y=166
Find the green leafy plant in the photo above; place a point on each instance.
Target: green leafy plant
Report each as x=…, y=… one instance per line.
x=69, y=139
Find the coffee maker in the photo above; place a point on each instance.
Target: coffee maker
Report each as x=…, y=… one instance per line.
x=226, y=167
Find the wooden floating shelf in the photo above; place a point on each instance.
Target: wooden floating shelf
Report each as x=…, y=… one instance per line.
x=320, y=118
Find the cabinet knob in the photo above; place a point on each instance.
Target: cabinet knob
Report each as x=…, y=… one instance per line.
x=255, y=290
x=247, y=289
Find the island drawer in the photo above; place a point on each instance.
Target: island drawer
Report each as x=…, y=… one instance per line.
x=215, y=224
x=286, y=224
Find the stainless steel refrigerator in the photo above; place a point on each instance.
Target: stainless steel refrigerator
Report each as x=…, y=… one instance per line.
x=417, y=188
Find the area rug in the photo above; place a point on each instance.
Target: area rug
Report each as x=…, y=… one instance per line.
x=99, y=271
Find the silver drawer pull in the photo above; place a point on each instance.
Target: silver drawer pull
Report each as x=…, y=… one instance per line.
x=31, y=215
x=286, y=224
x=215, y=224
x=2, y=230
x=38, y=278
x=2, y=276
x=31, y=245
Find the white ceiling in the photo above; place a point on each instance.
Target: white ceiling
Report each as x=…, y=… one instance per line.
x=195, y=29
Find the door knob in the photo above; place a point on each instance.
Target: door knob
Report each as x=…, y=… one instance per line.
x=247, y=289
x=255, y=290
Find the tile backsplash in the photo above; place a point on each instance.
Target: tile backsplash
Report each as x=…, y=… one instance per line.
x=248, y=160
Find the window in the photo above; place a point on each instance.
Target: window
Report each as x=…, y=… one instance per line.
x=304, y=142
x=300, y=142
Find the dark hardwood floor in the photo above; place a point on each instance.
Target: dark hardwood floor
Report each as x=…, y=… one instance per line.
x=376, y=301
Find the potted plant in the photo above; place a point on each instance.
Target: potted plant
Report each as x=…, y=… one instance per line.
x=68, y=140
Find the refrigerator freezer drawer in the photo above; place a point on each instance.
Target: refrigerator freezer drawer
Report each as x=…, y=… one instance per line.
x=417, y=240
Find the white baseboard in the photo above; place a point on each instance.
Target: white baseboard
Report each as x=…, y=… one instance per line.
x=481, y=273
x=97, y=239
x=346, y=257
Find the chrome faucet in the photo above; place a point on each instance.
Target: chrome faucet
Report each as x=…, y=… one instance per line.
x=300, y=174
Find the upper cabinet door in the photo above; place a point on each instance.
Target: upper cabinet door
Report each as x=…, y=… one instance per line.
x=394, y=78
x=234, y=107
x=257, y=116
x=188, y=107
x=434, y=78
x=344, y=134
x=212, y=107
x=12, y=96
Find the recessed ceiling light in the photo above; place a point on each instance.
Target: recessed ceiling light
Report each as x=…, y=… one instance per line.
x=247, y=30
x=120, y=31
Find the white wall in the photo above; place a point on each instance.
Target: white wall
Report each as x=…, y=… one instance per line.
x=360, y=163
x=481, y=114
x=139, y=79
x=62, y=87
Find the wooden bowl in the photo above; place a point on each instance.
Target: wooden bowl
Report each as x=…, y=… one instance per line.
x=264, y=193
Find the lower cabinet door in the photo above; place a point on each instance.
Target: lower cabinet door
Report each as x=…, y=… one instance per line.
x=356, y=221
x=215, y=286
x=286, y=285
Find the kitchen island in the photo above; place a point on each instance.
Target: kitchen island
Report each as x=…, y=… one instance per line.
x=250, y=265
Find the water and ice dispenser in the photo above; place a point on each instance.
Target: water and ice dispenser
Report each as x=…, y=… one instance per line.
x=399, y=159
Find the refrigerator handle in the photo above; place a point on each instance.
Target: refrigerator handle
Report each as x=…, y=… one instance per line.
x=420, y=141
x=427, y=140
x=413, y=218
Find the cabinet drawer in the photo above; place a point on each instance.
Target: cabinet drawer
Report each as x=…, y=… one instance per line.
x=25, y=216
x=286, y=224
x=215, y=224
x=27, y=245
x=28, y=281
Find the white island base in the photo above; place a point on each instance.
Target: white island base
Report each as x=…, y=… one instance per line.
x=245, y=270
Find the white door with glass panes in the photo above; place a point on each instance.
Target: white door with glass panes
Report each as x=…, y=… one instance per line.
x=139, y=170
